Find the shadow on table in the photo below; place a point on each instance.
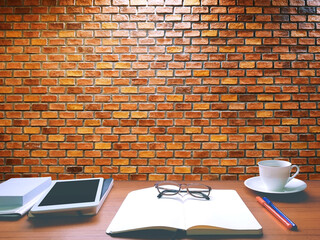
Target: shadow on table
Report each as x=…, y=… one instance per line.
x=163, y=234
x=58, y=220
x=288, y=198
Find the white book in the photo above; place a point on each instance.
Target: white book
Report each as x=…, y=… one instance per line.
x=224, y=214
x=18, y=211
x=19, y=191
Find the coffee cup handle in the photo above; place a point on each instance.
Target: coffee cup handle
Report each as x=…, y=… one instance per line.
x=295, y=174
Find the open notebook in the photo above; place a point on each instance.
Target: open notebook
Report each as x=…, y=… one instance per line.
x=225, y=213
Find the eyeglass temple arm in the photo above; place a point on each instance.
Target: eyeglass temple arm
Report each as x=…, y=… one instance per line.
x=203, y=195
x=165, y=191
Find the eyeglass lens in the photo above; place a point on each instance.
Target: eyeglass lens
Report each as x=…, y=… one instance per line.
x=199, y=191
x=168, y=188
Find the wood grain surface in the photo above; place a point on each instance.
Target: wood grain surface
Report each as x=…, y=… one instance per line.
x=303, y=208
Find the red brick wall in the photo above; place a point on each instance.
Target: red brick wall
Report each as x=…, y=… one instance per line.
x=158, y=89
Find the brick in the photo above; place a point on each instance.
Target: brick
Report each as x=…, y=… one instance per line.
x=182, y=170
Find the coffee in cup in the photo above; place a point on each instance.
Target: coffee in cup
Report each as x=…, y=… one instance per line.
x=275, y=174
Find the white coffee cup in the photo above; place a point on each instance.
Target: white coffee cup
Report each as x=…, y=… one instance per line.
x=275, y=174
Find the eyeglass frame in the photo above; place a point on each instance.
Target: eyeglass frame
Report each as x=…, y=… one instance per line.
x=161, y=193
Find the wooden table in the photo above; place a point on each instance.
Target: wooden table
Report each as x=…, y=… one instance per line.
x=303, y=208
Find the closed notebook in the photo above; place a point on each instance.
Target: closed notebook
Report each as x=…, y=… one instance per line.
x=224, y=214
x=19, y=191
x=18, y=195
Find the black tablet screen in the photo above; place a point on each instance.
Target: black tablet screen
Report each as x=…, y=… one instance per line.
x=71, y=192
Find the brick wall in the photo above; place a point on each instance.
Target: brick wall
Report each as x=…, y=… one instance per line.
x=158, y=89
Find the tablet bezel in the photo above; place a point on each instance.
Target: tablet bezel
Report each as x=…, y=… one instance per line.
x=70, y=206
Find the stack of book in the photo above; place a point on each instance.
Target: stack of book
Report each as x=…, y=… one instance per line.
x=18, y=195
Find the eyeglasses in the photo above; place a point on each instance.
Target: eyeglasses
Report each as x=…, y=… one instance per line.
x=168, y=188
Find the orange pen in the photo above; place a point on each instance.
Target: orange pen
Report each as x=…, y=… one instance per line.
x=274, y=213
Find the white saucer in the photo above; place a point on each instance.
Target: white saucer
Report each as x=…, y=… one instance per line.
x=295, y=185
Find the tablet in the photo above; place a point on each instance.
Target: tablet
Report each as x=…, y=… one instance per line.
x=78, y=196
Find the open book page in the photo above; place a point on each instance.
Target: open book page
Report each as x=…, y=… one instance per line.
x=142, y=210
x=224, y=213
x=224, y=210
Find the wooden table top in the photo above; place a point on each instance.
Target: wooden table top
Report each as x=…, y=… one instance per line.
x=303, y=208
